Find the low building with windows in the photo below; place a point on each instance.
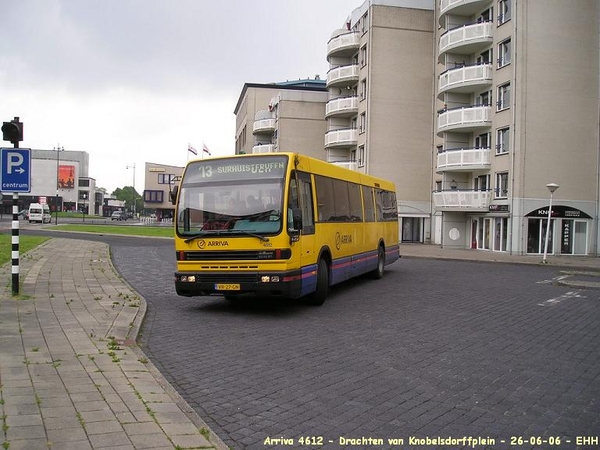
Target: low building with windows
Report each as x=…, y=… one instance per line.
x=60, y=178
x=159, y=180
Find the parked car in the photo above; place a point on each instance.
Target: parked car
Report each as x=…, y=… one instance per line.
x=118, y=215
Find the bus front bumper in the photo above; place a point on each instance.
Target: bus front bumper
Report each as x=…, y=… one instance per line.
x=268, y=284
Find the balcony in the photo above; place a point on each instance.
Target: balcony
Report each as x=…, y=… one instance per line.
x=263, y=126
x=263, y=148
x=465, y=119
x=466, y=79
x=352, y=165
x=345, y=137
x=460, y=7
x=343, y=75
x=342, y=107
x=467, y=39
x=462, y=200
x=343, y=45
x=464, y=159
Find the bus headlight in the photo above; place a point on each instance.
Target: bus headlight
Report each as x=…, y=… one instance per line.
x=269, y=279
x=188, y=278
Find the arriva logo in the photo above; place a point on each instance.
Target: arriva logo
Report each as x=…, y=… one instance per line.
x=202, y=244
x=341, y=239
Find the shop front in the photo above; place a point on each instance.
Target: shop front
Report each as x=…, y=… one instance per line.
x=568, y=231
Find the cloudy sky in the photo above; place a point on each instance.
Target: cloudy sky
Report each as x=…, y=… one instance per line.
x=133, y=81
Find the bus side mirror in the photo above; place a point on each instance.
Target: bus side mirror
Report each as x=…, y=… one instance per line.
x=173, y=194
x=297, y=218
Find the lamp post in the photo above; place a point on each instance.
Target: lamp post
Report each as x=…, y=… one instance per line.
x=83, y=207
x=133, y=193
x=58, y=149
x=551, y=187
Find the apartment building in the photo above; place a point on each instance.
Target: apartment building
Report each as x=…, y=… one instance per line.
x=517, y=91
x=380, y=108
x=287, y=116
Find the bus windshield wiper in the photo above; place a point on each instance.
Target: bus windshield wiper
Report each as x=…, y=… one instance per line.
x=249, y=233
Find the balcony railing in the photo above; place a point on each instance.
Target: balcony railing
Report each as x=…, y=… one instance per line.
x=263, y=126
x=466, y=119
x=464, y=159
x=345, y=137
x=352, y=165
x=344, y=44
x=344, y=106
x=462, y=200
x=466, y=78
x=461, y=7
x=263, y=148
x=467, y=39
x=343, y=75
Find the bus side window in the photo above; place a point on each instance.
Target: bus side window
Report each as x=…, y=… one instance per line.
x=367, y=193
x=292, y=203
x=306, y=203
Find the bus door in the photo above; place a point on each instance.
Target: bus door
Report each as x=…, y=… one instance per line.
x=301, y=198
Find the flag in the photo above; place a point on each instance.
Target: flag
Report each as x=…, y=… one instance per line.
x=205, y=149
x=192, y=149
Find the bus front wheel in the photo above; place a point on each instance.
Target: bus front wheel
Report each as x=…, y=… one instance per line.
x=318, y=297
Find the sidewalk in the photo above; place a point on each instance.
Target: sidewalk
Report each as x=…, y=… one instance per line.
x=71, y=375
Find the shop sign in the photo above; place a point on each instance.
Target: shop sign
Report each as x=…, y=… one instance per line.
x=559, y=211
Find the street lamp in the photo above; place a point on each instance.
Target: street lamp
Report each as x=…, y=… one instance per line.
x=58, y=149
x=551, y=187
x=133, y=193
x=83, y=207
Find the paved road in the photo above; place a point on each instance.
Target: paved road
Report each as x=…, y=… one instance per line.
x=436, y=348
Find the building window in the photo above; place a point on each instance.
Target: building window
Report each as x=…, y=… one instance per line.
x=481, y=183
x=503, y=97
x=504, y=53
x=484, y=99
x=363, y=56
x=153, y=196
x=485, y=57
x=502, y=141
x=363, y=89
x=362, y=126
x=361, y=156
x=165, y=178
x=503, y=11
x=365, y=23
x=501, y=185
x=482, y=141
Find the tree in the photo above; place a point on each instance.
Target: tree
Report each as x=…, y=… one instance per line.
x=127, y=194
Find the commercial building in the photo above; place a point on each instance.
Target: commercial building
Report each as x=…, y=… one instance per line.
x=159, y=180
x=60, y=179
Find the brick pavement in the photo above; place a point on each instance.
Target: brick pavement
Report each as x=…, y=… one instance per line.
x=71, y=375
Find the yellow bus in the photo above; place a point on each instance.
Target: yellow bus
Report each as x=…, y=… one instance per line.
x=279, y=225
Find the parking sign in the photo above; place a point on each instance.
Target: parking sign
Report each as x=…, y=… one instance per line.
x=16, y=170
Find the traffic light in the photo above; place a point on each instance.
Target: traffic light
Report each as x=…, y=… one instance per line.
x=12, y=131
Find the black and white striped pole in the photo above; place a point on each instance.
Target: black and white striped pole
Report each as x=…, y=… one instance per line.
x=15, y=244
x=13, y=132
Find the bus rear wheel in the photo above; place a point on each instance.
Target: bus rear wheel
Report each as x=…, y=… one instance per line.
x=378, y=272
x=317, y=298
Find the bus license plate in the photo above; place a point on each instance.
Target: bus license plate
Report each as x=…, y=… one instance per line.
x=227, y=286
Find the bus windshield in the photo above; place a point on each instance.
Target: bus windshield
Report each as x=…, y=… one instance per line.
x=229, y=197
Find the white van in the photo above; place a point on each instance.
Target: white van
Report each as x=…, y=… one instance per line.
x=39, y=212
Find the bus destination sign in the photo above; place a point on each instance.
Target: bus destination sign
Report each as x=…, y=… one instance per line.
x=236, y=169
